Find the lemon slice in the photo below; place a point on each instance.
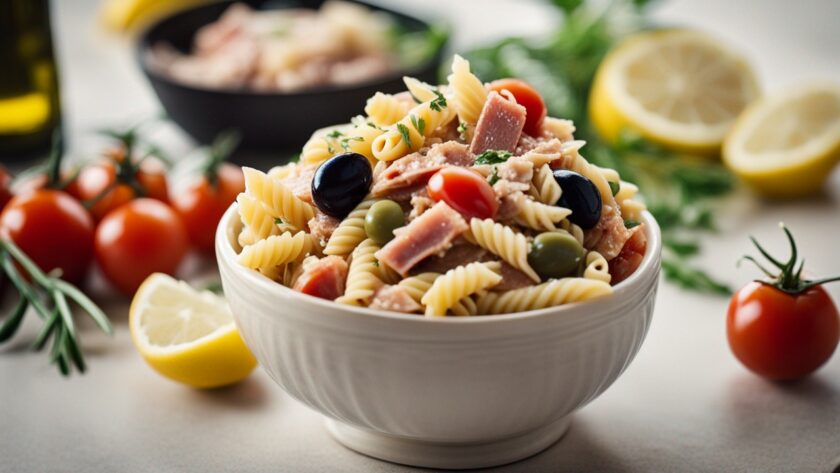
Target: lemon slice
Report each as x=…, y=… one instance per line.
x=678, y=88
x=786, y=144
x=186, y=335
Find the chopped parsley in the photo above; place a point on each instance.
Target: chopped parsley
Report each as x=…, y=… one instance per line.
x=373, y=125
x=439, y=103
x=493, y=156
x=330, y=147
x=405, y=134
x=335, y=134
x=631, y=223
x=494, y=177
x=345, y=142
x=419, y=124
x=278, y=221
x=614, y=187
x=462, y=130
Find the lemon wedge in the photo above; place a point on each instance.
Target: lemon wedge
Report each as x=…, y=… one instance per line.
x=680, y=89
x=186, y=335
x=785, y=145
x=122, y=15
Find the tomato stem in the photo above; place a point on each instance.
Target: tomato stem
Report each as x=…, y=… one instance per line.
x=789, y=278
x=220, y=150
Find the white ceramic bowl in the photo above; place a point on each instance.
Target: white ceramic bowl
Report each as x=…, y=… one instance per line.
x=461, y=392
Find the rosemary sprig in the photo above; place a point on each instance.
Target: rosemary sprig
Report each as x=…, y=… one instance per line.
x=50, y=297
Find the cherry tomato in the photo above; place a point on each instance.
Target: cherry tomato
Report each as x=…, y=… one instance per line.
x=5, y=187
x=94, y=181
x=53, y=229
x=782, y=336
x=142, y=237
x=201, y=203
x=529, y=98
x=465, y=191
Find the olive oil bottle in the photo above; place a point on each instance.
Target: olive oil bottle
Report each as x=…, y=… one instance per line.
x=30, y=111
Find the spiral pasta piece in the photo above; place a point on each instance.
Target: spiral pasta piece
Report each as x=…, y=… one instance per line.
x=275, y=250
x=419, y=90
x=279, y=200
x=351, y=230
x=385, y=109
x=597, y=267
x=360, y=140
x=540, y=216
x=549, y=294
x=458, y=283
x=544, y=188
x=572, y=229
x=559, y=128
x=362, y=280
x=258, y=221
x=282, y=171
x=631, y=209
x=417, y=286
x=318, y=149
x=411, y=132
x=503, y=242
x=468, y=93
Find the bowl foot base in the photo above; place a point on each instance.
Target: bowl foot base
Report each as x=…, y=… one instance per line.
x=447, y=455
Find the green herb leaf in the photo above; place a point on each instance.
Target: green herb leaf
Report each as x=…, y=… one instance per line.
x=419, y=124
x=628, y=224
x=688, y=277
x=438, y=103
x=406, y=136
x=614, y=187
x=494, y=177
x=493, y=156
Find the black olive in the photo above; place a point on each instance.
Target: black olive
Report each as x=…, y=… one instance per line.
x=580, y=196
x=340, y=183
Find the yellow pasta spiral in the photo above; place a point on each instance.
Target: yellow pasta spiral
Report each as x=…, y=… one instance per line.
x=351, y=230
x=549, y=294
x=279, y=200
x=417, y=286
x=420, y=123
x=362, y=280
x=597, y=267
x=544, y=187
x=503, y=242
x=275, y=250
x=468, y=92
x=540, y=216
x=458, y=283
x=385, y=109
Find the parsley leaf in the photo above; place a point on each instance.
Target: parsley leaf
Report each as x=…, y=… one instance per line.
x=494, y=177
x=614, y=187
x=345, y=142
x=419, y=124
x=493, y=156
x=334, y=134
x=439, y=103
x=278, y=221
x=405, y=134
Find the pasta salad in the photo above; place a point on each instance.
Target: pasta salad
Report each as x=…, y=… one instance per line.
x=459, y=199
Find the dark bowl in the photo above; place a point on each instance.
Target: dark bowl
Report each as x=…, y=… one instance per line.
x=268, y=121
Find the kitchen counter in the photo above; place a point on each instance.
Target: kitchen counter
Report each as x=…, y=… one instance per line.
x=684, y=404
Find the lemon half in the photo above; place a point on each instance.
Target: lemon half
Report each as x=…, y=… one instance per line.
x=186, y=335
x=786, y=144
x=680, y=89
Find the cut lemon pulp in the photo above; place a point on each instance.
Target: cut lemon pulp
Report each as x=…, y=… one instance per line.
x=786, y=144
x=678, y=88
x=186, y=335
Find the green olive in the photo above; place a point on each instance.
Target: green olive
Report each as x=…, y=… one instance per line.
x=555, y=255
x=382, y=219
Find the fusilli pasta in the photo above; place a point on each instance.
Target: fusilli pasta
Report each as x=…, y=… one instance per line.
x=540, y=216
x=468, y=93
x=544, y=187
x=362, y=279
x=280, y=201
x=417, y=286
x=503, y=242
x=458, y=283
x=351, y=230
x=385, y=109
x=275, y=251
x=597, y=267
x=549, y=294
x=411, y=131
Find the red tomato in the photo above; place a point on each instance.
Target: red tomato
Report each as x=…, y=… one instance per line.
x=465, y=191
x=53, y=229
x=142, y=237
x=5, y=187
x=529, y=98
x=782, y=336
x=94, y=181
x=201, y=204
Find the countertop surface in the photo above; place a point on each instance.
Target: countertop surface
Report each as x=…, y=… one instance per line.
x=684, y=404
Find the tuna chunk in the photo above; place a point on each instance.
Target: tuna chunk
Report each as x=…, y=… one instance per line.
x=608, y=235
x=414, y=170
x=429, y=234
x=460, y=254
x=324, y=278
x=516, y=169
x=420, y=203
x=299, y=181
x=322, y=226
x=512, y=278
x=630, y=256
x=499, y=125
x=394, y=298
